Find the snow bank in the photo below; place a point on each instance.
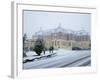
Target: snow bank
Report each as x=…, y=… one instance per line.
x=31, y=53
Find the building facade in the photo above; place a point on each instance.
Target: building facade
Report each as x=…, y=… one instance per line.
x=61, y=38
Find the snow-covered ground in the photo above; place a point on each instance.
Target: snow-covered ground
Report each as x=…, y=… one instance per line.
x=62, y=58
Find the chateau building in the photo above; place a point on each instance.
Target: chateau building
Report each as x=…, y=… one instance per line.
x=61, y=38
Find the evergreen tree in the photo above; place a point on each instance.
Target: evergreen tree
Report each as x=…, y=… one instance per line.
x=39, y=46
x=24, y=39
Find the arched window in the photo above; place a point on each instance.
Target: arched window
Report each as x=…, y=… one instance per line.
x=55, y=42
x=69, y=44
x=58, y=43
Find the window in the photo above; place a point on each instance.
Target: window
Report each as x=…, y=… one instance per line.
x=69, y=44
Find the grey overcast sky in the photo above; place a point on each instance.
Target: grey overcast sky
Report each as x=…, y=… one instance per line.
x=34, y=20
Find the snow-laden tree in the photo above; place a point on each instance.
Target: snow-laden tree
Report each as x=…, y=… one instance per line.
x=24, y=39
x=39, y=46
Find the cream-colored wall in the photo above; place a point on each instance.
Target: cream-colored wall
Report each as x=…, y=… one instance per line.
x=60, y=43
x=82, y=44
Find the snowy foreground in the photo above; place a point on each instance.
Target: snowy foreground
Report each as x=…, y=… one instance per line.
x=61, y=58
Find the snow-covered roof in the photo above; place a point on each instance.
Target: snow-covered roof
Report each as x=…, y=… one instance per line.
x=82, y=32
x=60, y=29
